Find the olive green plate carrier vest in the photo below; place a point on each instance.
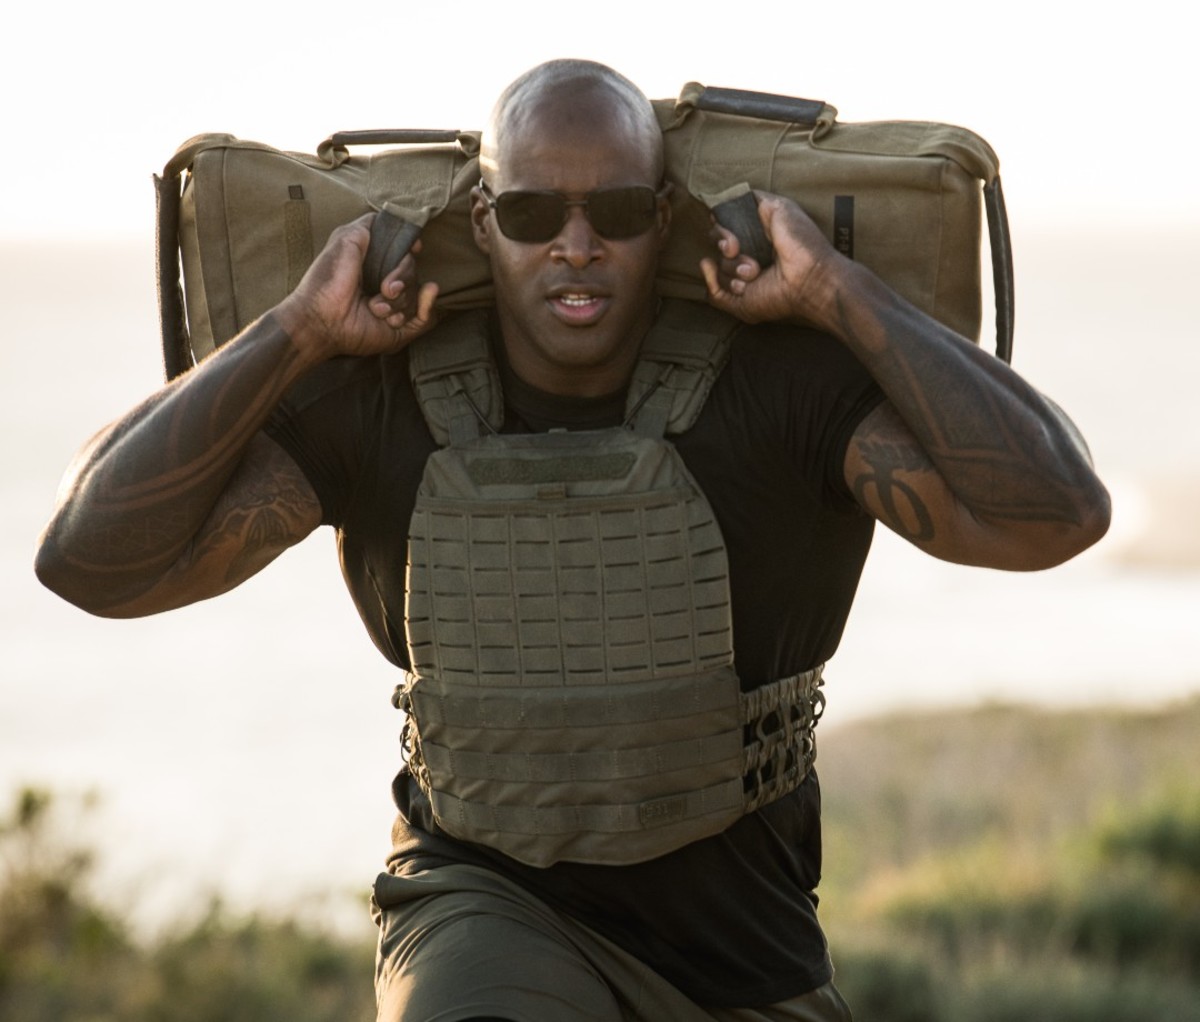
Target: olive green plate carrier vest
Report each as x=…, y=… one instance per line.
x=573, y=694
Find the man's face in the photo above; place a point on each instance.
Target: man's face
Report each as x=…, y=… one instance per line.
x=573, y=310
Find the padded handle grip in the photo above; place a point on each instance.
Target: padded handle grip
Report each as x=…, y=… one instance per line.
x=767, y=105
x=394, y=136
x=391, y=239
x=740, y=215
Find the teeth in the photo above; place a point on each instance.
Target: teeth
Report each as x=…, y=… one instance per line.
x=576, y=299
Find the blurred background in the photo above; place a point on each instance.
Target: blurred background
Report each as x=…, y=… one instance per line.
x=231, y=761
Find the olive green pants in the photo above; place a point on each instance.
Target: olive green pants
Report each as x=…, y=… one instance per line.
x=459, y=943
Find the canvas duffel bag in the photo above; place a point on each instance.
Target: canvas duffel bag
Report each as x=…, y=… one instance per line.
x=906, y=198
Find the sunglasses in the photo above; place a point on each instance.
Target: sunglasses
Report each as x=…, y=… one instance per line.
x=614, y=213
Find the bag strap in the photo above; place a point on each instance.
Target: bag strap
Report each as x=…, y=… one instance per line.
x=1002, y=266
x=176, y=343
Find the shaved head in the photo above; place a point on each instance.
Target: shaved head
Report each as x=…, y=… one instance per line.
x=561, y=94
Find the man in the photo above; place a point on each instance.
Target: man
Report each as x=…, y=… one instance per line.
x=871, y=412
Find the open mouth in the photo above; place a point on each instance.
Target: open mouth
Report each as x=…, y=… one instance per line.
x=578, y=308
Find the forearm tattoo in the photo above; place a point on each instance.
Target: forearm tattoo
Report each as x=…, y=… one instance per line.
x=156, y=480
x=995, y=443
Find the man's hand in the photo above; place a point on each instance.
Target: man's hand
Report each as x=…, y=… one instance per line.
x=795, y=287
x=329, y=315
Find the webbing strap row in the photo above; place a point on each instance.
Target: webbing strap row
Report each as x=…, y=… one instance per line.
x=626, y=820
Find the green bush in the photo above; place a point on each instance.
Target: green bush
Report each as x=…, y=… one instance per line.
x=65, y=958
x=1165, y=833
x=1048, y=994
x=888, y=986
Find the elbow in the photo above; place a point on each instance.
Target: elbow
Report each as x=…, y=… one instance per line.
x=55, y=570
x=1044, y=541
x=1096, y=517
x=1085, y=529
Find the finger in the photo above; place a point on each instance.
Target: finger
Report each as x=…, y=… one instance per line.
x=712, y=281
x=726, y=241
x=411, y=324
x=426, y=297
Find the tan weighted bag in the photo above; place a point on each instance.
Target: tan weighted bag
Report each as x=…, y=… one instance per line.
x=905, y=198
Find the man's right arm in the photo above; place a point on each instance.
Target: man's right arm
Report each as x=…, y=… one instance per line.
x=185, y=497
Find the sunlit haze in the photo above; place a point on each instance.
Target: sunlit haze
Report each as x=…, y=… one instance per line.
x=1086, y=110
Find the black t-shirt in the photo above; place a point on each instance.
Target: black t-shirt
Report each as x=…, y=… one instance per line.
x=730, y=919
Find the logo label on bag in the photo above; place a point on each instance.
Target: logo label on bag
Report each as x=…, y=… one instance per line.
x=843, y=224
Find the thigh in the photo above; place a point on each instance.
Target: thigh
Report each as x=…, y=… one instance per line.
x=457, y=945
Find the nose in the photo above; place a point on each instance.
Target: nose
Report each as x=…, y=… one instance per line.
x=577, y=244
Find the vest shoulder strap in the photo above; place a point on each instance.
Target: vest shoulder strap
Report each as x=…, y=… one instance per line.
x=458, y=386
x=456, y=381
x=681, y=358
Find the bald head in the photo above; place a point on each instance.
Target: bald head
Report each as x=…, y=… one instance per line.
x=563, y=96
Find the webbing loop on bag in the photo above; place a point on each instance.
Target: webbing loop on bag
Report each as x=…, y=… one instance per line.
x=1002, y=267
x=172, y=321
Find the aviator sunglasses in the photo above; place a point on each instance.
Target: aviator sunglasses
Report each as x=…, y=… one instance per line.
x=614, y=213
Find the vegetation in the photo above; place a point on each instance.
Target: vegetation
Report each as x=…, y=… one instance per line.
x=988, y=866
x=64, y=957
x=1006, y=865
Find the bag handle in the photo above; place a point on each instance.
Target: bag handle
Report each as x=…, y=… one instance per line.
x=392, y=236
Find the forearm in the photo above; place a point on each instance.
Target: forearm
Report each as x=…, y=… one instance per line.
x=136, y=497
x=1006, y=453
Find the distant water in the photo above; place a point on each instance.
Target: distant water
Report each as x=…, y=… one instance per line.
x=247, y=744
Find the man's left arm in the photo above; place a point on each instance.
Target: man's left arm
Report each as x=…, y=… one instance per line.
x=965, y=459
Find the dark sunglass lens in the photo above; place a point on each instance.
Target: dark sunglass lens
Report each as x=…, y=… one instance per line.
x=622, y=212
x=530, y=216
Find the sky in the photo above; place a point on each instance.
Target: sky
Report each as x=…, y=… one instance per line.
x=1086, y=109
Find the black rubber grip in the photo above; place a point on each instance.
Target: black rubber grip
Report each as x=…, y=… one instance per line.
x=393, y=136
x=391, y=239
x=740, y=216
x=768, y=106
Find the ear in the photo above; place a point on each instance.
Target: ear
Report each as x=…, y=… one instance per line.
x=481, y=222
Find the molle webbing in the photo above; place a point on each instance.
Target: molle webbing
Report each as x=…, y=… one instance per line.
x=563, y=580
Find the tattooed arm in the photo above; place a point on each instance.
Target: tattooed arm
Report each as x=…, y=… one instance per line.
x=184, y=498
x=964, y=459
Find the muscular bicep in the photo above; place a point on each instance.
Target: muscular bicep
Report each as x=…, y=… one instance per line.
x=267, y=506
